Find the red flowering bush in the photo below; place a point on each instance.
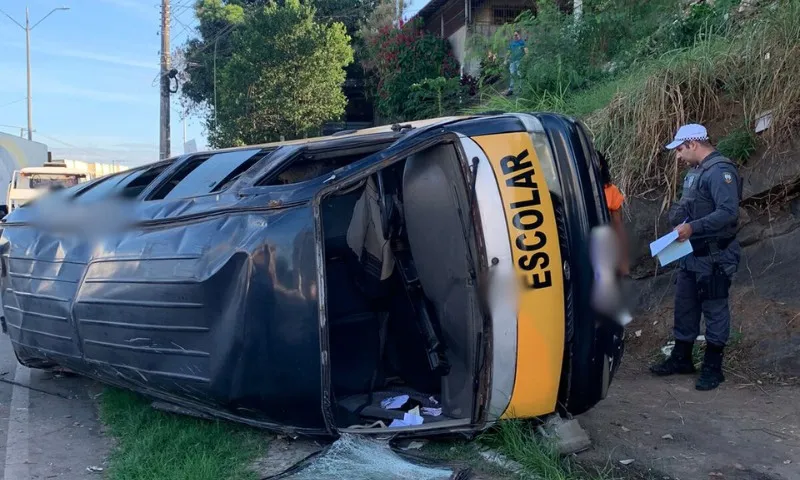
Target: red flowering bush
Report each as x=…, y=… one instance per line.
x=402, y=56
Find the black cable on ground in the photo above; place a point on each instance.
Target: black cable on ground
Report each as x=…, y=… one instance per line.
x=29, y=387
x=297, y=466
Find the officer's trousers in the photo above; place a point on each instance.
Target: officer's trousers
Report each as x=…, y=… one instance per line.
x=689, y=307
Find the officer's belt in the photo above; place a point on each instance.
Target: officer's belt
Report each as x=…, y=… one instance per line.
x=702, y=246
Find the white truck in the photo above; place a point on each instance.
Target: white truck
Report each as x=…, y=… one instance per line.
x=29, y=183
x=15, y=154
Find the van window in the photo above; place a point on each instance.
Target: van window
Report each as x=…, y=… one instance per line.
x=103, y=188
x=126, y=184
x=313, y=164
x=240, y=170
x=201, y=174
x=143, y=180
x=176, y=177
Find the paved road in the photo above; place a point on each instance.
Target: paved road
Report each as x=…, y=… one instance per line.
x=49, y=431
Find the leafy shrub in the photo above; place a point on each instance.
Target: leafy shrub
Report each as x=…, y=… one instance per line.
x=401, y=57
x=738, y=145
x=434, y=97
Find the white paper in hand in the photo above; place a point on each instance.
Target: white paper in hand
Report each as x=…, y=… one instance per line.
x=668, y=248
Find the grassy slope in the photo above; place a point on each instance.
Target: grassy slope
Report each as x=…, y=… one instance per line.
x=153, y=445
x=724, y=81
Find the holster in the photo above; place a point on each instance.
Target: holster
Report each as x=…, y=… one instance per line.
x=715, y=286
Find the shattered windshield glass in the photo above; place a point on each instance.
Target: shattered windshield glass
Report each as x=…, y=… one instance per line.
x=360, y=458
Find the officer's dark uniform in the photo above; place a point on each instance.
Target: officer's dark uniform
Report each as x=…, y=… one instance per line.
x=710, y=204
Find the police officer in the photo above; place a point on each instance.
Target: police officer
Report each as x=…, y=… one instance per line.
x=706, y=215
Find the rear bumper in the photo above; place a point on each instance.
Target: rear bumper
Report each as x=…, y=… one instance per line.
x=593, y=341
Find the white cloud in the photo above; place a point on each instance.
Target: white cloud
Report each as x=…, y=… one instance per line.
x=57, y=51
x=101, y=57
x=14, y=82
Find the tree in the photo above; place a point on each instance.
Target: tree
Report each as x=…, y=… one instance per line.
x=279, y=72
x=403, y=55
x=211, y=51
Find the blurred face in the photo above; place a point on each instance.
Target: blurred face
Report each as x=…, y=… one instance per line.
x=689, y=153
x=516, y=36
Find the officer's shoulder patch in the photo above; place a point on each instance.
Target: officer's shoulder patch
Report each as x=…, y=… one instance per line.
x=727, y=177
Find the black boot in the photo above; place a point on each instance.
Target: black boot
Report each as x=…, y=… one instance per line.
x=711, y=373
x=679, y=361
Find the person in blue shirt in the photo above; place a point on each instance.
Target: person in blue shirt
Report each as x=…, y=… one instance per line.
x=517, y=50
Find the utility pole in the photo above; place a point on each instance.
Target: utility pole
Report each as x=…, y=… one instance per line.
x=27, y=27
x=28, y=61
x=215, y=80
x=164, y=148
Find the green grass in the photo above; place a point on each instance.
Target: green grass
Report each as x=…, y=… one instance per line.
x=519, y=442
x=153, y=445
x=579, y=103
x=539, y=458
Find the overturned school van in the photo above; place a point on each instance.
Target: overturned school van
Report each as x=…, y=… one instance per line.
x=305, y=286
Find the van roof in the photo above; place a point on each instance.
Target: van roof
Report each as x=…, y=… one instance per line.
x=358, y=133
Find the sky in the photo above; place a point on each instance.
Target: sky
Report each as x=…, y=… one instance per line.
x=94, y=77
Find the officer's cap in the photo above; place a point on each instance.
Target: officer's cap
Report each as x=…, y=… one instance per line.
x=692, y=131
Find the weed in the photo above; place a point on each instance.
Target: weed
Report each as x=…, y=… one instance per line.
x=738, y=145
x=153, y=445
x=539, y=457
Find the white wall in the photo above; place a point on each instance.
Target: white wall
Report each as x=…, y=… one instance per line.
x=458, y=41
x=16, y=153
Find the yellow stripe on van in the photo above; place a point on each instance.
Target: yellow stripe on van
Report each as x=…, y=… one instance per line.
x=534, y=241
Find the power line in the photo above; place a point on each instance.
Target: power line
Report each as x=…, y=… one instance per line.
x=182, y=7
x=185, y=30
x=57, y=140
x=12, y=103
x=176, y=19
x=206, y=45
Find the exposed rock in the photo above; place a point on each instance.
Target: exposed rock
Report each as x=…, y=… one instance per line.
x=794, y=207
x=781, y=354
x=569, y=436
x=765, y=170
